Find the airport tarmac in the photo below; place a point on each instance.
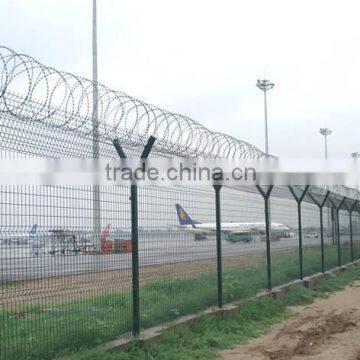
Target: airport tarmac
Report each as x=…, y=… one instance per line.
x=17, y=263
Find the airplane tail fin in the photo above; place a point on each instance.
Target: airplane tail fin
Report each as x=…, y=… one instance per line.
x=105, y=232
x=32, y=231
x=184, y=218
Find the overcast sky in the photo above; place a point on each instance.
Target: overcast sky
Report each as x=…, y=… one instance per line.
x=202, y=58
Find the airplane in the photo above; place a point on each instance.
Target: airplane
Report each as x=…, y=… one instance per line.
x=19, y=238
x=233, y=231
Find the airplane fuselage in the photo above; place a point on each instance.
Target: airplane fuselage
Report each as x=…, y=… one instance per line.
x=234, y=227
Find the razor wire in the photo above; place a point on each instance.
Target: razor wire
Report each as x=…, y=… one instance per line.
x=33, y=93
x=64, y=100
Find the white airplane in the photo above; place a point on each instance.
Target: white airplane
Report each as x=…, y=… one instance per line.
x=20, y=238
x=233, y=228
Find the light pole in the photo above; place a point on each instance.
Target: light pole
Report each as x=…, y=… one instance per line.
x=95, y=115
x=265, y=85
x=356, y=155
x=325, y=132
x=330, y=223
x=95, y=132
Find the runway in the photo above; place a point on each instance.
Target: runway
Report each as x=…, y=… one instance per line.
x=17, y=263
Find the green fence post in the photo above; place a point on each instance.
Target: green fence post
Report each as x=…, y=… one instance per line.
x=301, y=260
x=351, y=209
x=135, y=236
x=266, y=196
x=299, y=201
x=322, y=240
x=356, y=214
x=334, y=225
x=322, y=232
x=351, y=237
x=338, y=236
x=218, y=245
x=337, y=210
x=321, y=206
x=135, y=259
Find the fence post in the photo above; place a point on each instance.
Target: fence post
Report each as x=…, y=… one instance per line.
x=351, y=237
x=333, y=225
x=218, y=245
x=322, y=232
x=337, y=210
x=357, y=212
x=338, y=237
x=321, y=206
x=266, y=196
x=135, y=259
x=322, y=240
x=351, y=209
x=299, y=201
x=135, y=236
x=338, y=230
x=301, y=260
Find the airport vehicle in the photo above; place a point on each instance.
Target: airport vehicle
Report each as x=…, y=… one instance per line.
x=55, y=241
x=231, y=230
x=114, y=241
x=312, y=235
x=61, y=241
x=240, y=237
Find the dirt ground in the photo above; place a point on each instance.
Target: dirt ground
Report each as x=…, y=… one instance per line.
x=328, y=329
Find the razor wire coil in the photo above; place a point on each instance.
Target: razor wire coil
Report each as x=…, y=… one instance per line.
x=64, y=100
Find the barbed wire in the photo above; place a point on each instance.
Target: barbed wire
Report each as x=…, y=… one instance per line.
x=64, y=100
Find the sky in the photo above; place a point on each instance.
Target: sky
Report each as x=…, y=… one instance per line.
x=202, y=59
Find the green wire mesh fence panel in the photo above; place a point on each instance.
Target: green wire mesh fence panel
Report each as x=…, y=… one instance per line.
x=311, y=239
x=243, y=245
x=59, y=290
x=65, y=252
x=356, y=234
x=285, y=248
x=177, y=259
x=330, y=243
x=344, y=228
x=330, y=249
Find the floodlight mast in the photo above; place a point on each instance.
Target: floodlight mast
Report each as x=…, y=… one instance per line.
x=326, y=132
x=95, y=131
x=356, y=155
x=265, y=85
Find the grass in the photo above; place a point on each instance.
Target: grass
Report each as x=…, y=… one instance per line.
x=205, y=338
x=44, y=331
x=202, y=339
x=298, y=296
